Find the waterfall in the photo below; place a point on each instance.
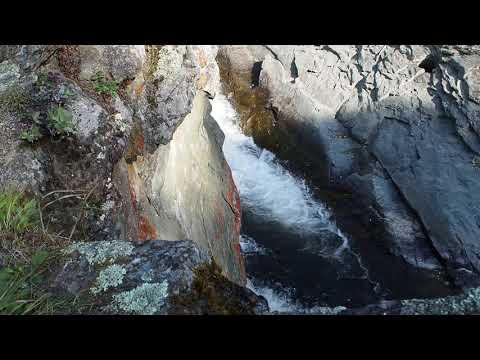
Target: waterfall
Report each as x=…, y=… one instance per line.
x=272, y=193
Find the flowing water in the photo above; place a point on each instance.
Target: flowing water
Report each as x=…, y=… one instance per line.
x=296, y=257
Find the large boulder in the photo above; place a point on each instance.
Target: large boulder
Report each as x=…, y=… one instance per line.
x=185, y=189
x=155, y=278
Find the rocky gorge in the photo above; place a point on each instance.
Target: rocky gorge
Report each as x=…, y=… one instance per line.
x=256, y=179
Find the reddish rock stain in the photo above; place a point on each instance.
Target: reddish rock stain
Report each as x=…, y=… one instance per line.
x=146, y=230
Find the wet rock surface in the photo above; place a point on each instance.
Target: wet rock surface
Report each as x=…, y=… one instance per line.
x=467, y=303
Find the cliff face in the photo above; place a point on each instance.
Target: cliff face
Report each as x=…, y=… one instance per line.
x=185, y=190
x=133, y=155
x=396, y=127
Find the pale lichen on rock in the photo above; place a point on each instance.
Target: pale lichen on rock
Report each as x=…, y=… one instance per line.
x=9, y=75
x=145, y=299
x=108, y=278
x=100, y=252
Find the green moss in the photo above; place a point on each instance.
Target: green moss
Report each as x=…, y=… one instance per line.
x=102, y=251
x=109, y=277
x=146, y=299
x=151, y=65
x=153, y=54
x=211, y=293
x=15, y=99
x=257, y=120
x=135, y=143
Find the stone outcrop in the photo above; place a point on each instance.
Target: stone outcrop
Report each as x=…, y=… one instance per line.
x=154, y=278
x=185, y=190
x=467, y=303
x=395, y=126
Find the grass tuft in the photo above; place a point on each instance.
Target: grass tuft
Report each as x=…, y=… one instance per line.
x=17, y=213
x=21, y=290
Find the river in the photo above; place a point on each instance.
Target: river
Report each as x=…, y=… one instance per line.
x=296, y=257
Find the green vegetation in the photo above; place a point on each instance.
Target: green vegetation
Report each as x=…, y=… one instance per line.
x=104, y=86
x=20, y=288
x=44, y=81
x=153, y=55
x=20, y=227
x=17, y=214
x=60, y=121
x=15, y=100
x=26, y=252
x=211, y=293
x=31, y=135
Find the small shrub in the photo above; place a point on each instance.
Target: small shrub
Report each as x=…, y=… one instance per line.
x=31, y=135
x=17, y=214
x=60, y=121
x=104, y=86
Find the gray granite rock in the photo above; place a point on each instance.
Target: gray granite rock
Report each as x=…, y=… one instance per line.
x=158, y=277
x=122, y=62
x=397, y=126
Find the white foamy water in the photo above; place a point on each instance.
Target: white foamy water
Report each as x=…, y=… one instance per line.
x=269, y=190
x=282, y=302
x=276, y=302
x=265, y=186
x=249, y=245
